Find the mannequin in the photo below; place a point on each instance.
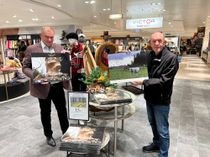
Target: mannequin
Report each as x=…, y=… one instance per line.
x=76, y=53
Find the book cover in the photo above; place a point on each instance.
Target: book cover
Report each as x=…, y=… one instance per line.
x=49, y=67
x=83, y=139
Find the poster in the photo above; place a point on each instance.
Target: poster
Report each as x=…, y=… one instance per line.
x=78, y=105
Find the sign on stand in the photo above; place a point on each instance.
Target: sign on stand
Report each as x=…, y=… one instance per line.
x=78, y=105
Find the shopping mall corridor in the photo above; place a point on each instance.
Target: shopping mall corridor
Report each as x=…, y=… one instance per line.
x=21, y=131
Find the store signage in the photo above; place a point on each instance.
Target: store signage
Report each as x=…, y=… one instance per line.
x=155, y=22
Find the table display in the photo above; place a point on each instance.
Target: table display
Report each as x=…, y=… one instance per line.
x=121, y=110
x=11, y=89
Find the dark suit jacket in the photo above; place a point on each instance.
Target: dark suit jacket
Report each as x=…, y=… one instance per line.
x=38, y=90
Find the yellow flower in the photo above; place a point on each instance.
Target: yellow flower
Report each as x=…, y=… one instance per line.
x=101, y=78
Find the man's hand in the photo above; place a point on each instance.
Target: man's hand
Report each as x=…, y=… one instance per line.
x=44, y=82
x=136, y=83
x=66, y=51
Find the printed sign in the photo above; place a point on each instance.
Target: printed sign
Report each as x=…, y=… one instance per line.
x=156, y=22
x=78, y=105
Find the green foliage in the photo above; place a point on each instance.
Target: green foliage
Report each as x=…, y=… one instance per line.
x=96, y=77
x=122, y=73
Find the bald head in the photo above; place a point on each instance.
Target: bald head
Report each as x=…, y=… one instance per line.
x=157, y=42
x=47, y=36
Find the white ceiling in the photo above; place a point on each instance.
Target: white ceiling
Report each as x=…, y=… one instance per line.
x=180, y=17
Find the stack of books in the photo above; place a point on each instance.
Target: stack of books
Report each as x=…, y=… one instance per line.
x=87, y=140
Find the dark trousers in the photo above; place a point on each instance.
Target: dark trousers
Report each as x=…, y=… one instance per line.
x=77, y=84
x=56, y=94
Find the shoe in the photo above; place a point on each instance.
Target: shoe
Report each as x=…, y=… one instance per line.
x=50, y=141
x=151, y=148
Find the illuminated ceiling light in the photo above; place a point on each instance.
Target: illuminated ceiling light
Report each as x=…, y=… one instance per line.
x=52, y=17
x=92, y=2
x=14, y=16
x=154, y=4
x=108, y=9
x=35, y=19
x=115, y=16
x=31, y=10
x=7, y=21
x=20, y=20
x=104, y=9
x=86, y=2
x=95, y=16
x=58, y=5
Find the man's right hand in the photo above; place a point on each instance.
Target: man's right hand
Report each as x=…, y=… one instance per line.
x=44, y=82
x=136, y=83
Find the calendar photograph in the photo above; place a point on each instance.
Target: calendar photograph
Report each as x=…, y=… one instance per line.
x=49, y=67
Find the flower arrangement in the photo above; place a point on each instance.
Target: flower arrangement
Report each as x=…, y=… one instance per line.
x=98, y=81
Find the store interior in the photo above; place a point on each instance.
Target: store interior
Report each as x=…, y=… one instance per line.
x=186, y=29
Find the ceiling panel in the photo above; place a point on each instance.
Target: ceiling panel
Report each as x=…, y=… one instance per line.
x=180, y=16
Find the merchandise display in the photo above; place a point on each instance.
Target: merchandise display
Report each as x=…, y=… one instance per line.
x=87, y=139
x=9, y=85
x=113, y=97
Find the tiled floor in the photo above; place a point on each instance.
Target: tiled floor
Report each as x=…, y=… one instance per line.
x=21, y=131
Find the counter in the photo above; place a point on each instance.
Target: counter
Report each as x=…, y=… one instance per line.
x=12, y=87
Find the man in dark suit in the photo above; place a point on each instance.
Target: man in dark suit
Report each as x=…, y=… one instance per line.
x=46, y=92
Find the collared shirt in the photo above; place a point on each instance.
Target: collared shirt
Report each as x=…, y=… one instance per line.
x=46, y=49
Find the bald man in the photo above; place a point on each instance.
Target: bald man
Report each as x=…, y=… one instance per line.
x=47, y=92
x=162, y=68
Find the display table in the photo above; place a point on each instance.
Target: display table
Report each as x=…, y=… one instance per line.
x=11, y=89
x=122, y=110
